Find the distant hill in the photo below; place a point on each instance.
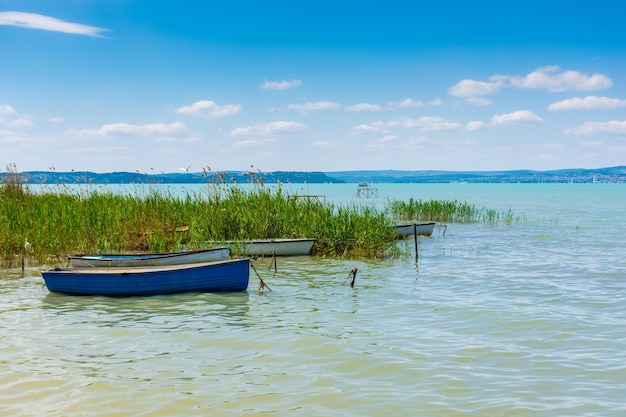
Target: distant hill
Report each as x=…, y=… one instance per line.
x=603, y=175
x=75, y=177
x=608, y=175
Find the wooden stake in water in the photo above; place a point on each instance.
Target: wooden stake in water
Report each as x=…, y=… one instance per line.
x=351, y=277
x=273, y=262
x=415, y=241
x=262, y=284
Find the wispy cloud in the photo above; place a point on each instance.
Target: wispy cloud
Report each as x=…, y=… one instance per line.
x=407, y=102
x=6, y=112
x=131, y=129
x=521, y=116
x=424, y=124
x=516, y=117
x=41, y=22
x=388, y=138
x=209, y=108
x=280, y=85
x=319, y=105
x=364, y=107
x=269, y=129
x=472, y=88
x=587, y=103
x=248, y=143
x=410, y=103
x=476, y=125
x=23, y=121
x=9, y=116
x=553, y=79
x=365, y=129
x=613, y=127
x=550, y=78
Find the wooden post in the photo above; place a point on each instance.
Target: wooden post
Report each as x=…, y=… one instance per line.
x=273, y=262
x=353, y=276
x=417, y=256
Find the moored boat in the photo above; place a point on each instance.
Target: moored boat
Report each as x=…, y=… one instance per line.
x=229, y=275
x=423, y=229
x=272, y=247
x=149, y=259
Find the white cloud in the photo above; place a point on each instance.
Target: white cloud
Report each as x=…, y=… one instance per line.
x=521, y=116
x=37, y=21
x=407, y=102
x=587, y=103
x=387, y=139
x=248, y=143
x=209, y=108
x=130, y=129
x=478, y=101
x=268, y=129
x=476, y=125
x=96, y=150
x=471, y=88
x=9, y=116
x=319, y=105
x=551, y=79
x=426, y=124
x=10, y=137
x=364, y=107
x=321, y=143
x=280, y=85
x=6, y=110
x=365, y=129
x=23, y=121
x=613, y=127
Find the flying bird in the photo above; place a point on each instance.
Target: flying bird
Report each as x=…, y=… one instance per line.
x=185, y=169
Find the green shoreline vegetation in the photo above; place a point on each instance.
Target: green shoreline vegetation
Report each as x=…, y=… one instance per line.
x=56, y=221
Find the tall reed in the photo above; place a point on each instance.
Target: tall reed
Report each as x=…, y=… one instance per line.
x=60, y=223
x=449, y=211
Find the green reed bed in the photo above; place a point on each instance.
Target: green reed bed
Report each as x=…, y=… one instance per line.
x=59, y=220
x=449, y=211
x=57, y=223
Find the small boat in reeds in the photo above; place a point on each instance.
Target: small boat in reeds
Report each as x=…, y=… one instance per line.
x=149, y=259
x=421, y=229
x=272, y=247
x=229, y=275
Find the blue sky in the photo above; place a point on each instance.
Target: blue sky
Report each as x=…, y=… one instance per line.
x=155, y=86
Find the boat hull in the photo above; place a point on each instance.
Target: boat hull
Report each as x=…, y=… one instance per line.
x=230, y=275
x=272, y=247
x=151, y=259
x=421, y=229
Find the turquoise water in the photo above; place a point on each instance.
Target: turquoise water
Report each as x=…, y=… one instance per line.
x=527, y=319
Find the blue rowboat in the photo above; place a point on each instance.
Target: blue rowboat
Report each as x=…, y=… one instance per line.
x=229, y=275
x=150, y=259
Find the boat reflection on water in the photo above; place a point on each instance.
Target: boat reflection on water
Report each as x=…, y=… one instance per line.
x=174, y=310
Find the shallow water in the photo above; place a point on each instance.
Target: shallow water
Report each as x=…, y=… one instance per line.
x=527, y=319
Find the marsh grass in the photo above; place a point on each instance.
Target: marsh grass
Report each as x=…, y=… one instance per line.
x=59, y=220
x=449, y=211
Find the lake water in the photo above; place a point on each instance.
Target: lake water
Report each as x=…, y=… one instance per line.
x=527, y=319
